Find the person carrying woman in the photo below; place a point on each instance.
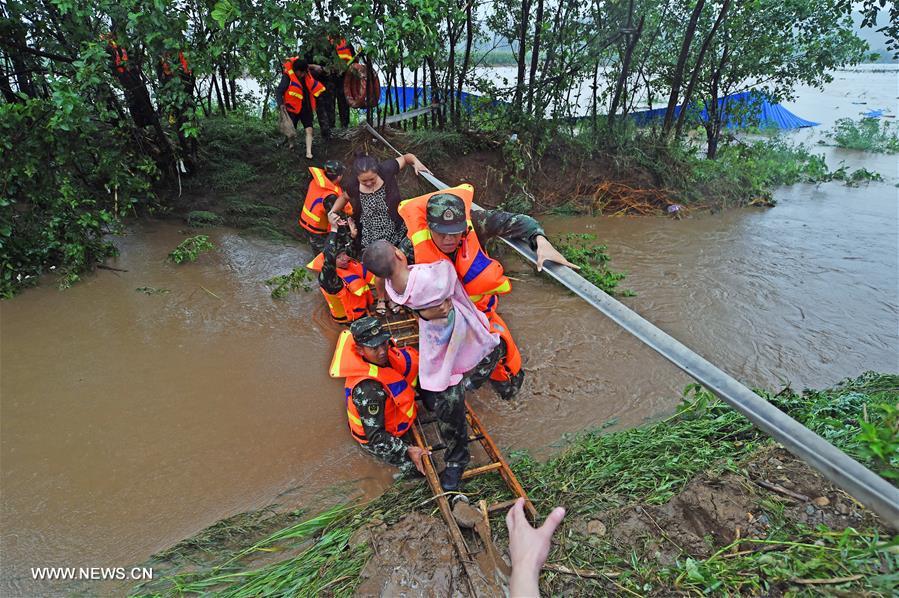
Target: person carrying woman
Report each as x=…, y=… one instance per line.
x=374, y=194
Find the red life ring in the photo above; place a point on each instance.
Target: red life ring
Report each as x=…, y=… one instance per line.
x=359, y=90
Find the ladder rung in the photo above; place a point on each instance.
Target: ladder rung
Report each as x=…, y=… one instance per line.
x=470, y=473
x=441, y=446
x=501, y=506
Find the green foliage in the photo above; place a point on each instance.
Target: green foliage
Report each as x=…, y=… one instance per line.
x=190, y=249
x=67, y=180
x=856, y=177
x=867, y=134
x=878, y=442
x=592, y=258
x=201, y=218
x=791, y=552
x=282, y=285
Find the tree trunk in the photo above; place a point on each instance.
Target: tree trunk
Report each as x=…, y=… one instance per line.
x=451, y=68
x=369, y=74
x=697, y=68
x=678, y=76
x=522, y=54
x=625, y=67
x=415, y=97
x=424, y=92
x=716, y=116
x=595, y=88
x=434, y=91
x=469, y=39
x=218, y=95
x=535, y=54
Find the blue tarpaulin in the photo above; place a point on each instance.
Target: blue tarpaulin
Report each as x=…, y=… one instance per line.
x=744, y=109
x=398, y=94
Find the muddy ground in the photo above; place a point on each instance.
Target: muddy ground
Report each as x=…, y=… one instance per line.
x=414, y=557
x=252, y=181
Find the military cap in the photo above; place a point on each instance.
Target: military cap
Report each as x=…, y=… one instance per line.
x=334, y=169
x=446, y=214
x=369, y=332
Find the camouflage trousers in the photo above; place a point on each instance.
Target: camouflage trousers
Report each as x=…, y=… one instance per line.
x=506, y=389
x=316, y=242
x=398, y=460
x=449, y=407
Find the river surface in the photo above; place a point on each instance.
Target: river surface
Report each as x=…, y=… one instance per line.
x=130, y=421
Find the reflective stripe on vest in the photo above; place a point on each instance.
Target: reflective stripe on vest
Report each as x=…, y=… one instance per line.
x=481, y=275
x=293, y=96
x=352, y=302
x=399, y=409
x=313, y=216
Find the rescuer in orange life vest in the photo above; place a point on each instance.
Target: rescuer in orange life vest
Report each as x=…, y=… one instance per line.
x=443, y=225
x=345, y=283
x=379, y=392
x=323, y=190
x=298, y=91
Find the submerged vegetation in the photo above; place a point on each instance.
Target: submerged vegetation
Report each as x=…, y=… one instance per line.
x=627, y=480
x=592, y=258
x=282, y=285
x=190, y=249
x=867, y=134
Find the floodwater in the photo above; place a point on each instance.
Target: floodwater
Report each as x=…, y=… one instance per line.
x=131, y=421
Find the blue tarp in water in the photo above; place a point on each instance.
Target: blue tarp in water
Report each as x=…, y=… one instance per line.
x=744, y=109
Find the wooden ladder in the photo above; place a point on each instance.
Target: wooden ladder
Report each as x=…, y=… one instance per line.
x=404, y=330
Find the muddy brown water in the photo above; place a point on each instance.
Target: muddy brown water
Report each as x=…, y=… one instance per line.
x=131, y=421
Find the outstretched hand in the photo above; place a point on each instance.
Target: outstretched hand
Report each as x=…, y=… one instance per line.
x=547, y=253
x=529, y=548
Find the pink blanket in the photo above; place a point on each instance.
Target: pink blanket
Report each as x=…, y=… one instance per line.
x=448, y=347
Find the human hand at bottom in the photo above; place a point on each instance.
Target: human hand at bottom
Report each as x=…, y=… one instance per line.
x=416, y=454
x=529, y=548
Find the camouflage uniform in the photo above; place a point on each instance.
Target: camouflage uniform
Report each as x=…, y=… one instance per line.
x=369, y=398
x=337, y=242
x=316, y=242
x=487, y=225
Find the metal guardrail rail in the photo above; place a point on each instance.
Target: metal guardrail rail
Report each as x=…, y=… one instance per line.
x=866, y=486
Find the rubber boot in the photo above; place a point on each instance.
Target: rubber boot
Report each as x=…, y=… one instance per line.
x=451, y=478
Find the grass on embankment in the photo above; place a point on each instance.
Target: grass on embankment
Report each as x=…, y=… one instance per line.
x=610, y=477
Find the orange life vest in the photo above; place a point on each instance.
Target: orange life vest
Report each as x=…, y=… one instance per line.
x=293, y=96
x=398, y=381
x=353, y=300
x=343, y=49
x=314, y=216
x=510, y=365
x=167, y=70
x=119, y=57
x=481, y=275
